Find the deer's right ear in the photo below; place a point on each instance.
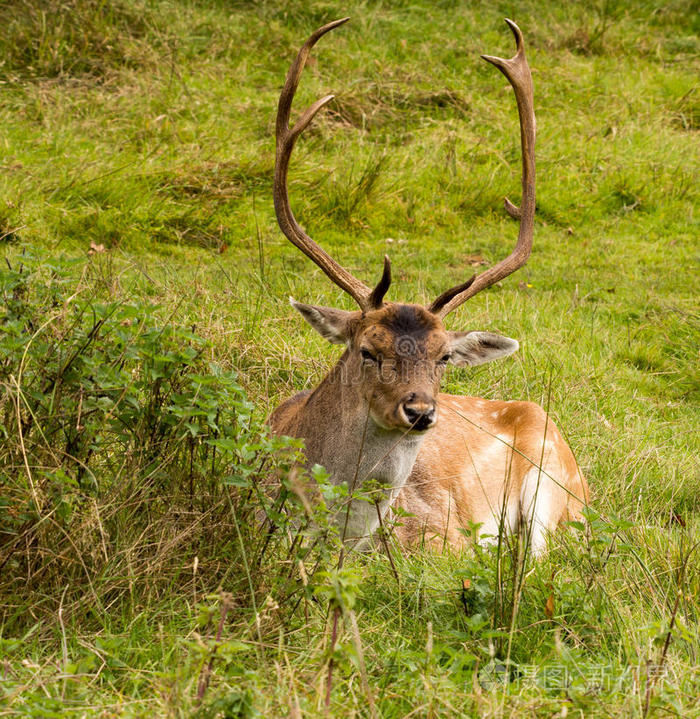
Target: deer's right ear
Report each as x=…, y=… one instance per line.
x=327, y=321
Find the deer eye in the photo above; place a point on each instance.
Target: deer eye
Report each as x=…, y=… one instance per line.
x=444, y=359
x=367, y=355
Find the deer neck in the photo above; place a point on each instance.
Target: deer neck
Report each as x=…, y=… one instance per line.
x=341, y=435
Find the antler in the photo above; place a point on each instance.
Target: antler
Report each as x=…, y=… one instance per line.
x=365, y=297
x=517, y=71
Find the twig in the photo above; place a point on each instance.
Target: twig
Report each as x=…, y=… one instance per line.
x=650, y=682
x=382, y=536
x=205, y=674
x=357, y=641
x=64, y=642
x=329, y=680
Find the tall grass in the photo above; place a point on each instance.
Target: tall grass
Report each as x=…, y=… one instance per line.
x=157, y=554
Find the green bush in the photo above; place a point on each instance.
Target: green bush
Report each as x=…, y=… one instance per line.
x=126, y=455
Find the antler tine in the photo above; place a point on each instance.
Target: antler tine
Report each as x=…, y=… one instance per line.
x=377, y=297
x=286, y=139
x=517, y=72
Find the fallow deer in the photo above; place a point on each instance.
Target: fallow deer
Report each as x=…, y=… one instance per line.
x=375, y=415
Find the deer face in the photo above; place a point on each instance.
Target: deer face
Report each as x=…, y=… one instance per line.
x=396, y=356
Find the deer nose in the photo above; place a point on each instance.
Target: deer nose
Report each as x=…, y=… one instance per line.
x=419, y=411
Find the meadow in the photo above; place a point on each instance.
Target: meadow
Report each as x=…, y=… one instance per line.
x=147, y=334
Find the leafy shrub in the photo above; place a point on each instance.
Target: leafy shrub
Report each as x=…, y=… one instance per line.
x=126, y=455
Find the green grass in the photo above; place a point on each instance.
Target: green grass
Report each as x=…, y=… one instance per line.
x=147, y=127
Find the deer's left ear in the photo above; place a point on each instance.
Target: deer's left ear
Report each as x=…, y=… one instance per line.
x=472, y=348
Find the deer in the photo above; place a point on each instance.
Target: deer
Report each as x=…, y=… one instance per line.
x=456, y=466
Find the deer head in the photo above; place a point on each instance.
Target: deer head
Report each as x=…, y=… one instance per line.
x=396, y=353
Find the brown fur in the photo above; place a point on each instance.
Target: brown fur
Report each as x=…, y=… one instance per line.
x=473, y=465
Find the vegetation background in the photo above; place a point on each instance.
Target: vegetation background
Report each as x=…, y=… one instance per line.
x=146, y=335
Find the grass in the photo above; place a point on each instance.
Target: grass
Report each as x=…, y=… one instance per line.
x=147, y=128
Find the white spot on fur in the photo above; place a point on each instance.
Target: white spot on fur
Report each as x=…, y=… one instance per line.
x=492, y=454
x=488, y=533
x=535, y=508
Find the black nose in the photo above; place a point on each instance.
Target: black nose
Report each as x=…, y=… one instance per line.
x=419, y=413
